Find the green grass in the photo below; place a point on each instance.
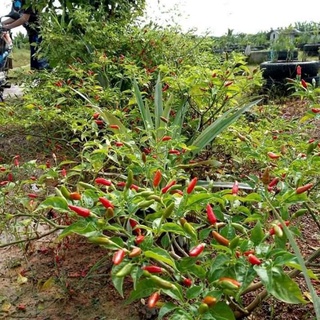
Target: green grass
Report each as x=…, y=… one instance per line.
x=20, y=57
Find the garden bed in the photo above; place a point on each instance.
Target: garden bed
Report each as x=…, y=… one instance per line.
x=71, y=280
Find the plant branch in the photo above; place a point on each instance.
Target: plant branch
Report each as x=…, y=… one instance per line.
x=29, y=239
x=57, y=226
x=312, y=215
x=179, y=248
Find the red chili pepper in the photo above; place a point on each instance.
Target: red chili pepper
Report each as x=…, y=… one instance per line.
x=99, y=122
x=210, y=215
x=298, y=71
x=119, y=144
x=153, y=299
x=157, y=178
x=273, y=182
x=176, y=191
x=114, y=126
x=96, y=115
x=139, y=239
x=315, y=110
x=304, y=188
x=187, y=282
x=246, y=253
x=273, y=155
x=106, y=203
x=147, y=150
x=133, y=224
x=173, y=151
x=10, y=176
x=16, y=162
x=192, y=184
x=21, y=307
x=153, y=269
x=118, y=257
x=235, y=188
x=103, y=181
x=168, y=186
x=83, y=212
x=64, y=172
x=304, y=83
x=166, y=138
x=254, y=260
x=75, y=196
x=134, y=187
x=3, y=183
x=197, y=250
x=228, y=83
x=32, y=195
x=165, y=88
x=121, y=184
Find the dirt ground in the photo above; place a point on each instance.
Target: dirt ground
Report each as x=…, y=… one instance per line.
x=51, y=282
x=71, y=281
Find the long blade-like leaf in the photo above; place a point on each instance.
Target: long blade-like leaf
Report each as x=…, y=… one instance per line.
x=210, y=133
x=179, y=118
x=162, y=129
x=144, y=109
x=158, y=107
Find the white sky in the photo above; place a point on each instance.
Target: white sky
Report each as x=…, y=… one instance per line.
x=243, y=16
x=247, y=16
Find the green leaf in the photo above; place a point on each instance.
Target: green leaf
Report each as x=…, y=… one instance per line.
x=82, y=227
x=197, y=198
x=136, y=273
x=175, y=293
x=221, y=311
x=257, y=233
x=280, y=285
x=158, y=103
x=252, y=197
x=298, y=267
x=185, y=263
x=179, y=118
x=144, y=109
x=194, y=292
x=111, y=119
x=173, y=228
x=57, y=203
x=118, y=281
x=144, y=288
x=181, y=314
x=211, y=132
x=165, y=309
x=159, y=254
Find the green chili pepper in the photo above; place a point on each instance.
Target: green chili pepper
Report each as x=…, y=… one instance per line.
x=125, y=270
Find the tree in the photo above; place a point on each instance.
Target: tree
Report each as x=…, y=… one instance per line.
x=110, y=8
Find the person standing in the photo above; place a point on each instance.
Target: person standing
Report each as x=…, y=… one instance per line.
x=28, y=16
